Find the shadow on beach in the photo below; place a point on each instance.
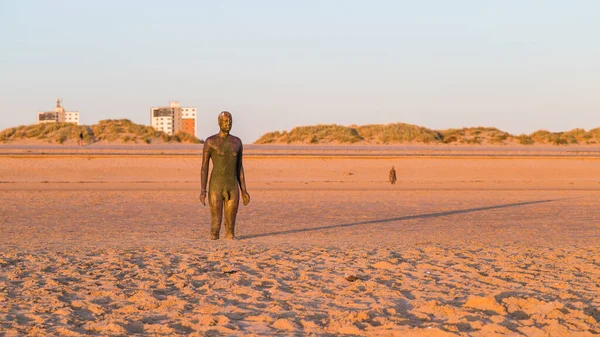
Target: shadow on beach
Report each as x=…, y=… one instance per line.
x=409, y=217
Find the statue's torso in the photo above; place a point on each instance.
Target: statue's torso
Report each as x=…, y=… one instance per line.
x=224, y=153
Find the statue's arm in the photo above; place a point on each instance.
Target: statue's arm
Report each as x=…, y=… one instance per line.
x=204, y=169
x=242, y=177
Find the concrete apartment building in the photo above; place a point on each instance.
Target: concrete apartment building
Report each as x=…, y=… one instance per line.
x=174, y=119
x=59, y=115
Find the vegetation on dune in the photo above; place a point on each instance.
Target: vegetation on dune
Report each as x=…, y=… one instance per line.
x=543, y=137
x=317, y=134
x=594, y=136
x=184, y=137
x=126, y=131
x=575, y=136
x=374, y=133
x=524, y=139
x=475, y=135
x=398, y=133
x=580, y=136
x=112, y=131
x=48, y=132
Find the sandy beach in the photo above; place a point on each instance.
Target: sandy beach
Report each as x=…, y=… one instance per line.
x=118, y=245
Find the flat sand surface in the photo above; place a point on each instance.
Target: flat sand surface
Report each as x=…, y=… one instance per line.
x=103, y=245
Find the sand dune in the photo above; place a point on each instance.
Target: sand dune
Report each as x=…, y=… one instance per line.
x=458, y=247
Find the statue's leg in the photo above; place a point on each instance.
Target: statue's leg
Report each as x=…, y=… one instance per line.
x=215, y=202
x=230, y=212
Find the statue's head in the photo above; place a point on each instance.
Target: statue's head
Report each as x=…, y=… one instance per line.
x=225, y=121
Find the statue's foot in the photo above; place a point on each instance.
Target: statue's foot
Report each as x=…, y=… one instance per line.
x=230, y=236
x=214, y=237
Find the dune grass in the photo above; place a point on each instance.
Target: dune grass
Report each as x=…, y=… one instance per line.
x=398, y=133
x=317, y=134
x=48, y=132
x=106, y=131
x=126, y=131
x=374, y=133
x=401, y=133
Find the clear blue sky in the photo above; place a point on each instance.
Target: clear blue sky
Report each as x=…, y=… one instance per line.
x=517, y=65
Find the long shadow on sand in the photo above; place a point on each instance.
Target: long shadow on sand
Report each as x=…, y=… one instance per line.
x=409, y=217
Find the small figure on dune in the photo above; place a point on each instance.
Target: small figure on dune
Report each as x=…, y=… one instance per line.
x=393, y=176
x=226, y=179
x=81, y=139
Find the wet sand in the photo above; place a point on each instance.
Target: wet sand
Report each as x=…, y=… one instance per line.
x=100, y=245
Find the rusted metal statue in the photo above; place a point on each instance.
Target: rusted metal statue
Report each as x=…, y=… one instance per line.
x=226, y=178
x=393, y=176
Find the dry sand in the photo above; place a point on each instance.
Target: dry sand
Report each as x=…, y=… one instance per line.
x=96, y=245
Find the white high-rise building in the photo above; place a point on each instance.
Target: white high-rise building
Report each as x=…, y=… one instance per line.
x=59, y=115
x=72, y=117
x=174, y=119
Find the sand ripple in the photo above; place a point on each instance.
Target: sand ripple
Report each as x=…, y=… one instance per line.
x=244, y=289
